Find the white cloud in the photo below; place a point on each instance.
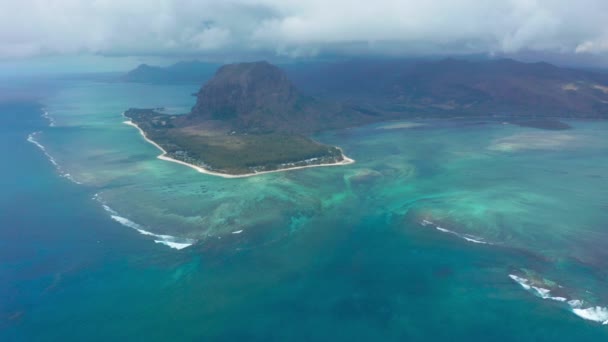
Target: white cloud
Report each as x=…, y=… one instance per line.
x=599, y=45
x=300, y=28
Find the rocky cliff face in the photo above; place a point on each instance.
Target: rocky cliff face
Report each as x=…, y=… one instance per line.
x=259, y=98
x=248, y=94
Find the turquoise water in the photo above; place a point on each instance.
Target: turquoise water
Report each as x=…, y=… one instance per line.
x=425, y=237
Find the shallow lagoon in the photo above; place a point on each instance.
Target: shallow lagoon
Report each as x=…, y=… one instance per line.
x=424, y=230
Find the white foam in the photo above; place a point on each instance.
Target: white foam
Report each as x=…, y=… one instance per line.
x=126, y=222
x=537, y=290
x=69, y=176
x=108, y=209
x=32, y=139
x=467, y=237
x=167, y=240
x=175, y=245
x=546, y=294
x=596, y=314
x=470, y=239
x=521, y=281
x=237, y=231
x=46, y=115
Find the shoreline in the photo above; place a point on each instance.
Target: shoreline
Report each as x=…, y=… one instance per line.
x=163, y=156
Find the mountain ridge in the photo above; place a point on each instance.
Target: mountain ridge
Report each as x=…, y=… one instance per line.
x=259, y=97
x=449, y=87
x=250, y=118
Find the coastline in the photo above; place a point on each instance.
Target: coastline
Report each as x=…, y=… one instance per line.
x=163, y=156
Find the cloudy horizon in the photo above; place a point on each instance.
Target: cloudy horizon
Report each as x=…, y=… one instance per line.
x=157, y=29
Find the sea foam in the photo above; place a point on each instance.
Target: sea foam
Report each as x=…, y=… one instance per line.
x=592, y=313
x=596, y=314
x=167, y=240
x=466, y=237
x=32, y=139
x=45, y=114
x=537, y=290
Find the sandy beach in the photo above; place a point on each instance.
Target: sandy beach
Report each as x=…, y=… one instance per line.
x=164, y=156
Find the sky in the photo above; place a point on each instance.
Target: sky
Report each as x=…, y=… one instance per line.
x=130, y=30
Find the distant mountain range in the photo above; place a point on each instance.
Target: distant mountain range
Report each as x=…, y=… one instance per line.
x=251, y=118
x=181, y=72
x=394, y=88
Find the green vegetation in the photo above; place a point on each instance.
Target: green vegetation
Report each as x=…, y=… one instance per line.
x=218, y=149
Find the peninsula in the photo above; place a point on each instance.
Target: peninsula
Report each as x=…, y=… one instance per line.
x=248, y=119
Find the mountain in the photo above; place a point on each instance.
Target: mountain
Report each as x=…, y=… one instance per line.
x=249, y=118
x=460, y=87
x=502, y=87
x=389, y=88
x=246, y=89
x=259, y=97
x=181, y=72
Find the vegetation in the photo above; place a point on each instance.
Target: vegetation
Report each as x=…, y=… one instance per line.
x=220, y=150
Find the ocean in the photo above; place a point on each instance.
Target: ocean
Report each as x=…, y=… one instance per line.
x=442, y=230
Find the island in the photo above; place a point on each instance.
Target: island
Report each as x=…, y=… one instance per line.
x=248, y=120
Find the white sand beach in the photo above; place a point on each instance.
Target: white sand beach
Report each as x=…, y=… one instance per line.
x=163, y=156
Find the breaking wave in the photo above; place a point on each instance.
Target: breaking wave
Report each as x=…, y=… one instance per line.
x=537, y=290
x=597, y=314
x=32, y=139
x=466, y=237
x=45, y=114
x=167, y=240
x=578, y=307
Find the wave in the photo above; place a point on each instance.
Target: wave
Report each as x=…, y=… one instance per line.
x=466, y=237
x=45, y=114
x=32, y=139
x=578, y=307
x=537, y=290
x=593, y=313
x=596, y=314
x=167, y=240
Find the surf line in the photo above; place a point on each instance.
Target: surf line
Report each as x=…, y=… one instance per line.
x=167, y=240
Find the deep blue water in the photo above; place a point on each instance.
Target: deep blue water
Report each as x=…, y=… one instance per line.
x=68, y=272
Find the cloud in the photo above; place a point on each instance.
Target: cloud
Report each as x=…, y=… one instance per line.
x=301, y=28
